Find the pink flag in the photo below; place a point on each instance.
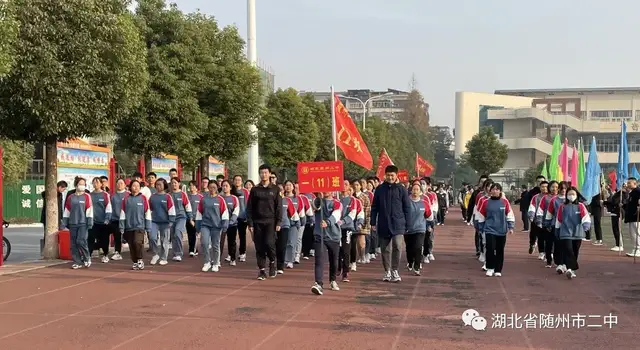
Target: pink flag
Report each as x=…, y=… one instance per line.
x=574, y=167
x=564, y=160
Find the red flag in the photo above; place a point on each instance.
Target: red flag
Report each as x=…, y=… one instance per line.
x=348, y=138
x=383, y=162
x=423, y=167
x=613, y=177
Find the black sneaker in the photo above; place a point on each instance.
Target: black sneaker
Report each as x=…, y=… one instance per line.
x=530, y=249
x=262, y=275
x=272, y=271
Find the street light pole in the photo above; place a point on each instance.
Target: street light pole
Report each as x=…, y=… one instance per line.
x=364, y=105
x=252, y=54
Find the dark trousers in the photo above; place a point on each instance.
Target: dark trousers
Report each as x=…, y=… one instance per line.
x=114, y=229
x=549, y=239
x=333, y=249
x=495, y=252
x=596, y=212
x=615, y=227
x=426, y=243
x=191, y=236
x=136, y=244
x=344, y=257
x=557, y=251
x=464, y=212
x=264, y=239
x=479, y=245
x=414, y=245
x=537, y=234
x=442, y=212
x=242, y=237
x=307, y=240
x=232, y=233
x=525, y=221
x=374, y=242
x=571, y=249
x=99, y=238
x=281, y=247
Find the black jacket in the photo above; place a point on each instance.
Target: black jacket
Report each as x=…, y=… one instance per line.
x=390, y=209
x=631, y=207
x=472, y=203
x=265, y=205
x=614, y=203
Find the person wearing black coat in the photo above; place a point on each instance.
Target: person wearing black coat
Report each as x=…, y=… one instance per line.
x=470, y=208
x=614, y=206
x=524, y=202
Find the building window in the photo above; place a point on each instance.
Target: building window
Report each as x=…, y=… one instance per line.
x=616, y=115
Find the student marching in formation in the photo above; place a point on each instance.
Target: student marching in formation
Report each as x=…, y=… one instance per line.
x=135, y=220
x=243, y=196
x=550, y=219
x=327, y=236
x=212, y=221
x=114, y=226
x=495, y=220
x=537, y=233
x=418, y=225
x=359, y=236
x=99, y=235
x=432, y=199
x=233, y=206
x=194, y=200
x=183, y=213
x=78, y=218
x=548, y=234
x=163, y=215
x=297, y=219
x=572, y=221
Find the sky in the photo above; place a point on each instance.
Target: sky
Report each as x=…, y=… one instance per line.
x=453, y=45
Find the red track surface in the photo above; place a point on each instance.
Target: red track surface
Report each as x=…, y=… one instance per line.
x=178, y=307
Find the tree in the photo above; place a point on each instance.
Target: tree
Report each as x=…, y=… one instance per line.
x=463, y=173
x=415, y=112
x=321, y=112
x=485, y=153
x=79, y=69
x=8, y=36
x=441, y=140
x=288, y=132
x=533, y=172
x=169, y=120
x=16, y=160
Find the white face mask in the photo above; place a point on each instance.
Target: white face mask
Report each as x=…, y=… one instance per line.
x=81, y=188
x=571, y=197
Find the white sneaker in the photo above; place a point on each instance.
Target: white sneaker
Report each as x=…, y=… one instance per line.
x=87, y=263
x=561, y=269
x=116, y=256
x=242, y=257
x=395, y=276
x=482, y=258
x=227, y=259
x=215, y=268
x=312, y=252
x=105, y=259
x=635, y=254
x=409, y=268
x=387, y=276
x=426, y=259
x=353, y=267
x=541, y=256
x=372, y=257
x=497, y=274
x=280, y=272
x=570, y=274
x=334, y=286
x=76, y=266
x=154, y=260
x=177, y=258
x=617, y=249
x=484, y=267
x=232, y=263
x=431, y=257
x=489, y=273
x=140, y=264
x=206, y=267
x=192, y=254
x=367, y=260
x=289, y=265
x=163, y=262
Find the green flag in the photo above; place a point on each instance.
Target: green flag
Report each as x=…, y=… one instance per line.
x=544, y=171
x=581, y=166
x=555, y=154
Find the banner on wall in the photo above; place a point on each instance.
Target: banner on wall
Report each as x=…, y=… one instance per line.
x=161, y=166
x=216, y=168
x=80, y=158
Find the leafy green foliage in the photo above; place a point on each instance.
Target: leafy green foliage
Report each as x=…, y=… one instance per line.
x=441, y=140
x=533, y=172
x=8, y=36
x=79, y=69
x=485, y=153
x=288, y=132
x=16, y=158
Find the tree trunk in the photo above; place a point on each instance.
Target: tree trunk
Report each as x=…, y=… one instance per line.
x=51, y=198
x=204, y=168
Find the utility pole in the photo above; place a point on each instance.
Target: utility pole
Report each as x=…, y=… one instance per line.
x=253, y=154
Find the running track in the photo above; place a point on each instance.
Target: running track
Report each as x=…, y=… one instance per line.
x=178, y=307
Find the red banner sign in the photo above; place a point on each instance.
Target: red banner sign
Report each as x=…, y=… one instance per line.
x=403, y=176
x=320, y=177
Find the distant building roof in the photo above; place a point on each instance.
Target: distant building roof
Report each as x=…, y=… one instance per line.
x=569, y=90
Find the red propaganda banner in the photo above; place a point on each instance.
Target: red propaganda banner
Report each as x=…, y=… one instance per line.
x=348, y=138
x=403, y=176
x=423, y=167
x=383, y=162
x=320, y=177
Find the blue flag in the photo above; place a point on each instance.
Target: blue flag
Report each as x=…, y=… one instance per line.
x=591, y=186
x=623, y=157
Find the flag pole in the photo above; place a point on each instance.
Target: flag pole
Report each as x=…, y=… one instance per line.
x=333, y=124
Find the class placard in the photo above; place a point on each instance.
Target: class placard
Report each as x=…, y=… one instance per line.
x=161, y=166
x=80, y=158
x=320, y=176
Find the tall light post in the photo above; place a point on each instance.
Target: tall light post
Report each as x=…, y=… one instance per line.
x=252, y=54
x=364, y=105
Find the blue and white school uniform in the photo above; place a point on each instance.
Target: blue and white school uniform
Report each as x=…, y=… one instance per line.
x=572, y=221
x=78, y=218
x=179, y=227
x=212, y=219
x=495, y=218
x=163, y=215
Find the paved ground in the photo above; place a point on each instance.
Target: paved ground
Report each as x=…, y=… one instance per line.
x=25, y=243
x=178, y=307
